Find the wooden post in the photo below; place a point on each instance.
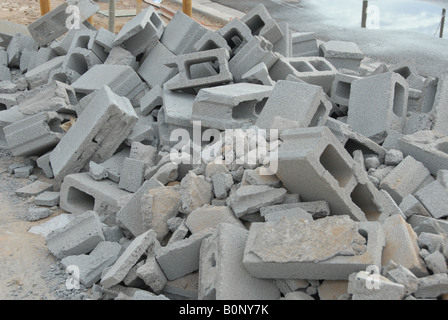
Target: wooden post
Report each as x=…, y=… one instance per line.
x=139, y=6
x=442, y=23
x=90, y=20
x=187, y=7
x=44, y=6
x=365, y=5
x=112, y=16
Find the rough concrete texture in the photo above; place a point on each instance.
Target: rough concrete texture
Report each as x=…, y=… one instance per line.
x=209, y=216
x=433, y=197
x=364, y=286
x=342, y=54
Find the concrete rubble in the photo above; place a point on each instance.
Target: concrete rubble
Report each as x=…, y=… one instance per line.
x=252, y=162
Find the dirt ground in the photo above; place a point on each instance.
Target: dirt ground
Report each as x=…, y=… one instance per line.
x=27, y=270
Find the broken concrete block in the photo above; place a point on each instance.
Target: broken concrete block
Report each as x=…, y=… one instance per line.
x=384, y=106
x=432, y=286
x=292, y=248
x=119, y=270
x=222, y=184
x=213, y=40
x=230, y=106
x=181, y=257
x=132, y=175
x=18, y=44
x=33, y=189
x=433, y=197
x=427, y=146
x=313, y=70
x=397, y=231
x=80, y=60
x=114, y=164
x=342, y=54
x=141, y=33
x=179, y=234
x=57, y=222
x=182, y=33
x=53, y=24
x=438, y=109
x=144, y=153
x=105, y=39
x=427, y=224
x=121, y=56
x=286, y=211
x=254, y=177
x=184, y=63
x=297, y=295
x=405, y=277
x=332, y=289
x=42, y=56
x=80, y=236
x=209, y=216
x=365, y=286
x=96, y=135
x=185, y=287
x=48, y=199
x=222, y=274
x=261, y=23
x=236, y=35
x=312, y=163
x=417, y=122
x=152, y=275
x=393, y=157
x=432, y=242
x=284, y=44
x=37, y=213
x=304, y=44
x=295, y=101
x=152, y=69
x=23, y=172
x=151, y=100
x=249, y=199
x=436, y=262
x=80, y=193
x=132, y=279
x=259, y=74
x=40, y=74
x=195, y=192
x=410, y=206
x=399, y=183
x=5, y=73
x=113, y=234
x=158, y=205
x=341, y=89
x=91, y=266
x=97, y=172
x=34, y=135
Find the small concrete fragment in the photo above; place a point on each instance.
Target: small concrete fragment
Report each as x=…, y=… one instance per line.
x=433, y=197
x=436, y=262
x=365, y=286
x=405, y=277
x=432, y=286
x=152, y=275
x=332, y=289
x=195, y=192
x=48, y=199
x=342, y=54
x=411, y=206
x=33, y=189
x=132, y=175
x=209, y=216
x=38, y=213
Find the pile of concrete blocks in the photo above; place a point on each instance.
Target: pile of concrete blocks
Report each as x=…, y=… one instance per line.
x=250, y=162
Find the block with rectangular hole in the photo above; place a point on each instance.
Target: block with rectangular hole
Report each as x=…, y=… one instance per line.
x=40, y=74
x=141, y=33
x=80, y=60
x=34, y=135
x=230, y=106
x=80, y=193
x=378, y=104
x=312, y=70
x=313, y=163
x=211, y=40
x=222, y=275
x=85, y=39
x=341, y=89
x=184, y=63
x=295, y=101
x=261, y=23
x=429, y=147
x=330, y=248
x=100, y=129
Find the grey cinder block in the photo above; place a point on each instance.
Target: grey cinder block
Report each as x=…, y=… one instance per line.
x=342, y=54
x=18, y=44
x=304, y=44
x=341, y=88
x=132, y=174
x=284, y=44
x=433, y=197
x=40, y=74
x=151, y=100
x=48, y=199
x=222, y=274
x=261, y=23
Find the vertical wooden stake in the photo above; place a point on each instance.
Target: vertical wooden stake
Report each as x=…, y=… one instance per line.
x=442, y=23
x=90, y=20
x=187, y=7
x=365, y=5
x=139, y=6
x=44, y=6
x=112, y=16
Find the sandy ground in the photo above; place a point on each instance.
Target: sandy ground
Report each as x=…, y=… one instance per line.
x=28, y=271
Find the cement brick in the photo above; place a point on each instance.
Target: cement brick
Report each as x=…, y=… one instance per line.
x=9, y=29
x=432, y=242
x=40, y=74
x=249, y=199
x=43, y=162
x=313, y=70
x=80, y=236
x=48, y=199
x=398, y=231
x=96, y=135
x=85, y=39
x=119, y=270
x=132, y=279
x=295, y=101
x=312, y=163
x=428, y=147
x=80, y=60
x=222, y=274
x=130, y=216
x=53, y=24
x=152, y=275
x=399, y=183
x=341, y=89
x=181, y=257
x=151, y=100
x=34, y=135
x=184, y=63
x=304, y=44
x=132, y=175
x=144, y=131
x=179, y=234
x=210, y=217
x=410, y=206
x=284, y=44
x=259, y=74
x=5, y=73
x=178, y=107
x=382, y=288
x=382, y=99
x=433, y=197
x=80, y=193
x=438, y=109
x=230, y=106
x=195, y=192
x=141, y=33
x=25, y=59
x=18, y=44
x=432, y=286
x=405, y=277
x=114, y=164
x=3, y=58
x=182, y=33
x=257, y=50
x=105, y=38
x=152, y=69
x=33, y=189
x=427, y=224
x=37, y=213
x=23, y=172
x=42, y=56
x=57, y=222
x=342, y=54
x=212, y=40
x=418, y=122
x=91, y=266
x=283, y=259
x=436, y=262
x=261, y=23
